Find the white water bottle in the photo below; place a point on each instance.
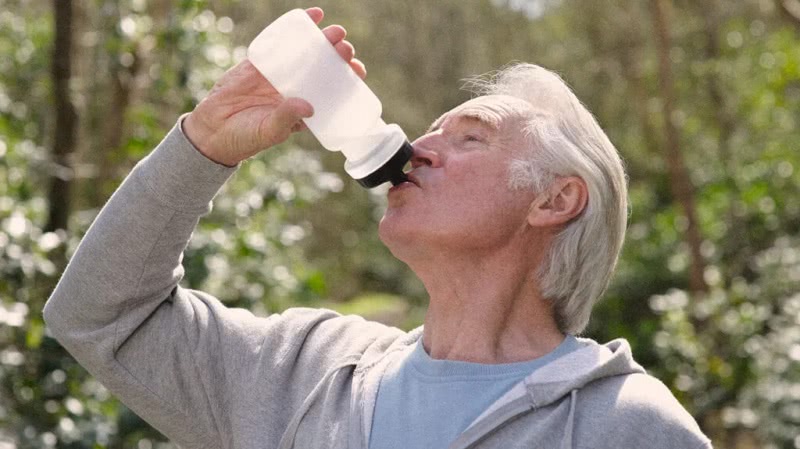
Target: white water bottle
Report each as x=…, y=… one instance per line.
x=296, y=57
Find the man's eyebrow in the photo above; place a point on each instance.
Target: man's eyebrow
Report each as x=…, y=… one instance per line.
x=485, y=118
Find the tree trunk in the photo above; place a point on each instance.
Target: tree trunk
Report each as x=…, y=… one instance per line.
x=66, y=123
x=122, y=85
x=633, y=58
x=680, y=185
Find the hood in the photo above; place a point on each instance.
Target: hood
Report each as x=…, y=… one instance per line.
x=591, y=362
x=559, y=380
x=366, y=381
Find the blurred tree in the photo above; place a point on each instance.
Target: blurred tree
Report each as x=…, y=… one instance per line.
x=66, y=122
x=790, y=10
x=681, y=186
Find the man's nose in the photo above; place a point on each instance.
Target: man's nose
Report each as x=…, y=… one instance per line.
x=424, y=154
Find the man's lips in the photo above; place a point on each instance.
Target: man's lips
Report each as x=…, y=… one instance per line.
x=411, y=181
x=401, y=186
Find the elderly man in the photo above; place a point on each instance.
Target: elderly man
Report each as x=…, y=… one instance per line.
x=513, y=217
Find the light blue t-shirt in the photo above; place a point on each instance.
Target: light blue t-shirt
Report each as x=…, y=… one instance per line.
x=427, y=403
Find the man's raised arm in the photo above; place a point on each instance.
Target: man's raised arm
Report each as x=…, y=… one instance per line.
x=178, y=357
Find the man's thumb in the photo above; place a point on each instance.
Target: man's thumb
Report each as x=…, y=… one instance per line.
x=288, y=114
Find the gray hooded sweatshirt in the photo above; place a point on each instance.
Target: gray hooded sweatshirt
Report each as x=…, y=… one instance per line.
x=208, y=376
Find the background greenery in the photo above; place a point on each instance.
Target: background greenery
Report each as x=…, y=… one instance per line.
x=291, y=229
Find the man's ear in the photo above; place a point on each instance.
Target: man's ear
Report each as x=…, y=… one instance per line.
x=564, y=200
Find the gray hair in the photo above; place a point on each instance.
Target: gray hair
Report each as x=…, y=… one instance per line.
x=566, y=140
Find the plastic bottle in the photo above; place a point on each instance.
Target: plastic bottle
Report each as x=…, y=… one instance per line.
x=296, y=57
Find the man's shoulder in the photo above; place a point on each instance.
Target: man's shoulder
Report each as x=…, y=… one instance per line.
x=638, y=393
x=639, y=407
x=320, y=327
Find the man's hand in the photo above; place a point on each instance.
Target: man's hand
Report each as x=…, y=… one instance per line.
x=243, y=114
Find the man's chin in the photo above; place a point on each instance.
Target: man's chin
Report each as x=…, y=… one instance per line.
x=393, y=232
x=399, y=242
x=385, y=230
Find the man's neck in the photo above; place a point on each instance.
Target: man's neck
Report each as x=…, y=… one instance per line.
x=486, y=309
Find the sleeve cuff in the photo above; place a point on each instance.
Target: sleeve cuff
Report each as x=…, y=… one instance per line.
x=180, y=176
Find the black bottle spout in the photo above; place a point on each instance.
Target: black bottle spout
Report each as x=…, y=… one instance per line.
x=392, y=170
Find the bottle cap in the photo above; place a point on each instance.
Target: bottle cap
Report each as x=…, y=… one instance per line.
x=392, y=170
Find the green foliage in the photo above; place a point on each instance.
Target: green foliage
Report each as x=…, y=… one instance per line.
x=734, y=354
x=291, y=229
x=248, y=251
x=382, y=307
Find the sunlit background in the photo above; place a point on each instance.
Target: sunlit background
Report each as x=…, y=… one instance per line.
x=702, y=99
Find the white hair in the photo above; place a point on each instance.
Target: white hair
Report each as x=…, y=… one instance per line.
x=566, y=140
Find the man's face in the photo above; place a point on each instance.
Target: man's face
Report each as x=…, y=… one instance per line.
x=459, y=196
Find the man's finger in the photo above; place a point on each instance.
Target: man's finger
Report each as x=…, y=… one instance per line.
x=286, y=116
x=345, y=50
x=359, y=68
x=316, y=14
x=334, y=33
x=299, y=126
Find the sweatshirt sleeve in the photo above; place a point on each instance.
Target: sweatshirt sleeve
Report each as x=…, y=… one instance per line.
x=178, y=357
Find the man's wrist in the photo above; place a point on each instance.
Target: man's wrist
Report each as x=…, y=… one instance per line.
x=179, y=175
x=195, y=135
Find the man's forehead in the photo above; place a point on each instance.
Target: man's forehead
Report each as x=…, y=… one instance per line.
x=492, y=110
